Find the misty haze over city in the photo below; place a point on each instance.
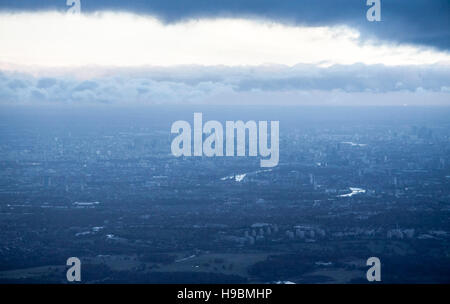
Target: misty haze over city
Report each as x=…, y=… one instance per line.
x=351, y=104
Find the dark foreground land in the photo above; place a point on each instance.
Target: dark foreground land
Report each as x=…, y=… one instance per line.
x=102, y=185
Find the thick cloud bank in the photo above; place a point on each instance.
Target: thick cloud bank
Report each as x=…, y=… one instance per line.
x=301, y=84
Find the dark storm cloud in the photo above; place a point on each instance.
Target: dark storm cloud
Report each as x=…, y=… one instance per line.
x=422, y=22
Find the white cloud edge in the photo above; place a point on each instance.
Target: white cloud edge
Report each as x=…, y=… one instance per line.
x=54, y=39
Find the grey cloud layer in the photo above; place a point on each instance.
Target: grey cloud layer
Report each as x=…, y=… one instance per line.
x=203, y=84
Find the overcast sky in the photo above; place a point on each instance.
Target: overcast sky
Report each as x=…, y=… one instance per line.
x=296, y=52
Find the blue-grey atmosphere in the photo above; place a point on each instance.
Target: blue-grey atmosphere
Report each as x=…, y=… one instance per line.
x=248, y=142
